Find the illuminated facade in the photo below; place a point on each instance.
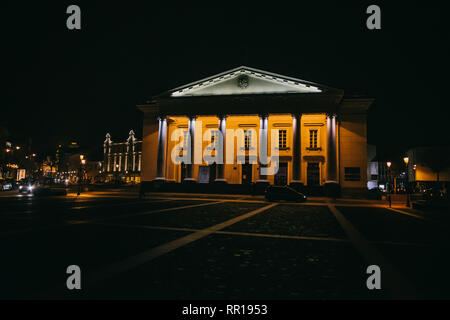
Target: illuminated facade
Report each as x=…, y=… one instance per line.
x=318, y=133
x=122, y=160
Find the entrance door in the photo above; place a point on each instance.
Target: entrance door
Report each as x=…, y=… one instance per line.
x=183, y=171
x=212, y=172
x=203, y=174
x=281, y=175
x=246, y=173
x=313, y=174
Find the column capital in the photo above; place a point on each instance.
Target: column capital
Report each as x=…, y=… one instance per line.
x=331, y=115
x=263, y=115
x=222, y=115
x=161, y=116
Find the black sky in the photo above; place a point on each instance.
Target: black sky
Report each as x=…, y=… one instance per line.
x=77, y=85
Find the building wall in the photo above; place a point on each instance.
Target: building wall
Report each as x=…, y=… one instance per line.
x=351, y=146
x=426, y=174
x=149, y=149
x=122, y=159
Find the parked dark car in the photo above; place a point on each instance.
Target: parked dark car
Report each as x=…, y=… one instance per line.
x=375, y=194
x=434, y=193
x=274, y=193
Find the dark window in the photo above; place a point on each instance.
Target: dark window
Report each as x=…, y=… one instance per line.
x=185, y=139
x=282, y=139
x=248, y=139
x=313, y=139
x=352, y=174
x=214, y=133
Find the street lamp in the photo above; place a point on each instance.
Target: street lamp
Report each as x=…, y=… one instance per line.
x=388, y=164
x=82, y=162
x=406, y=160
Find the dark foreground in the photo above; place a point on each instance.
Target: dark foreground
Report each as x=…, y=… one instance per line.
x=217, y=247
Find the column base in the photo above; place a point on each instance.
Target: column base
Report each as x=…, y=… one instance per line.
x=221, y=181
x=262, y=181
x=160, y=179
x=189, y=180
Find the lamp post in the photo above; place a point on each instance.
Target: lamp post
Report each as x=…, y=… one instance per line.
x=406, y=160
x=82, y=162
x=388, y=164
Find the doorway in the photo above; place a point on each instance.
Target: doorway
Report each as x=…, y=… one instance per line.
x=281, y=175
x=212, y=172
x=313, y=174
x=182, y=171
x=246, y=173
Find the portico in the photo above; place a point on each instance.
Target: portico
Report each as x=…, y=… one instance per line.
x=223, y=126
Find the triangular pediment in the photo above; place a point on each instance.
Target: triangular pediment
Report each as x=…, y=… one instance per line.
x=245, y=80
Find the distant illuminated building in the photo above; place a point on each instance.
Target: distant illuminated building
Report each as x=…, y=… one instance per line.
x=122, y=160
x=429, y=166
x=64, y=153
x=320, y=134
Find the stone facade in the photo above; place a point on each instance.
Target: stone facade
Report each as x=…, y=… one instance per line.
x=122, y=160
x=320, y=134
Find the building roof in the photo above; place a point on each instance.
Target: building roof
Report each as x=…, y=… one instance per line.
x=245, y=80
x=245, y=90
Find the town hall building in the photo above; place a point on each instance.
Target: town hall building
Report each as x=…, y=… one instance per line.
x=318, y=133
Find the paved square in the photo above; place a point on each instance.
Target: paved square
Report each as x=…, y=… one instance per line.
x=185, y=246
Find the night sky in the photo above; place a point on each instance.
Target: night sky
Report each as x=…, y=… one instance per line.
x=64, y=85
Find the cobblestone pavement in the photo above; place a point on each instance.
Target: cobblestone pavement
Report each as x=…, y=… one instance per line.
x=185, y=246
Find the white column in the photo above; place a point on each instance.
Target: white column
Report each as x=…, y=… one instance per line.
x=220, y=168
x=296, y=148
x=331, y=148
x=162, y=135
x=263, y=144
x=189, y=177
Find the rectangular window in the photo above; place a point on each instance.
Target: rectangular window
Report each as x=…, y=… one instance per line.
x=248, y=139
x=352, y=174
x=185, y=139
x=282, y=139
x=313, y=139
x=213, y=139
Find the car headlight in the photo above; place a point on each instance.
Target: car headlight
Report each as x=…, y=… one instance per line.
x=20, y=187
x=30, y=188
